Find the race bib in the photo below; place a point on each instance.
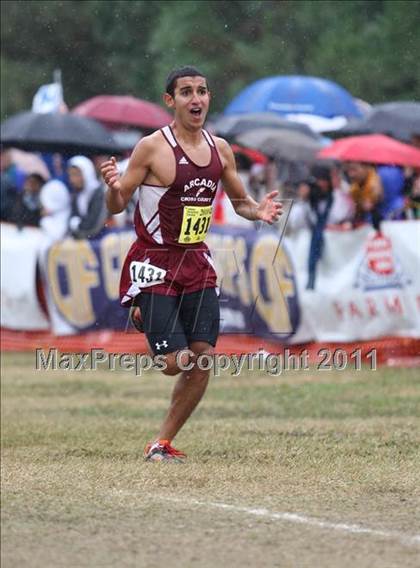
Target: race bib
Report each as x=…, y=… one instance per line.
x=195, y=224
x=144, y=274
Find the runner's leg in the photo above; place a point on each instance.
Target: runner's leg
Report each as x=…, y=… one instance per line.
x=171, y=325
x=187, y=393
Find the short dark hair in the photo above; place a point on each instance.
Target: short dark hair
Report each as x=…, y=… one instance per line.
x=186, y=71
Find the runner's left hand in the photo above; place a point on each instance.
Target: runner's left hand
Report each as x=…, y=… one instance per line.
x=269, y=210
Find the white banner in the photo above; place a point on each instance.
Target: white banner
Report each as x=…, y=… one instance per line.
x=367, y=285
x=20, y=308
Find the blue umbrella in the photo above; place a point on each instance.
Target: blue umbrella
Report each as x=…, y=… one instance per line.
x=295, y=94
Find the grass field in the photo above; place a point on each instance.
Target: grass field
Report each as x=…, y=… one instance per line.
x=335, y=448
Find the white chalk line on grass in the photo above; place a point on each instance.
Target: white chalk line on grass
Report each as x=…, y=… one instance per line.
x=301, y=519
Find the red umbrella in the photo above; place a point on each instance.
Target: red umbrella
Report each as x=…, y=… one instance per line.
x=373, y=149
x=253, y=155
x=124, y=110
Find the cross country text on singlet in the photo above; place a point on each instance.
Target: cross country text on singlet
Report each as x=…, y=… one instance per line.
x=180, y=214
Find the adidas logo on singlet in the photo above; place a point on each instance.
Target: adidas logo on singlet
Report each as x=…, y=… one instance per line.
x=183, y=160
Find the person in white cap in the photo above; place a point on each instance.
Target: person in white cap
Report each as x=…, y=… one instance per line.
x=88, y=210
x=55, y=203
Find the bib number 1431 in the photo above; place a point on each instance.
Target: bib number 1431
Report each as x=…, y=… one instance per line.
x=195, y=224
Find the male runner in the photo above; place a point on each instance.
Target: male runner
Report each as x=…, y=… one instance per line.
x=168, y=272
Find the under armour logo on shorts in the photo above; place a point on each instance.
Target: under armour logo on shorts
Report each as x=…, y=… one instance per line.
x=183, y=160
x=163, y=344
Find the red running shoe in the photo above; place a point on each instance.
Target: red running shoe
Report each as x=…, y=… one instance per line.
x=161, y=450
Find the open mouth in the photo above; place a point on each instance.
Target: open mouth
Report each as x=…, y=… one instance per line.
x=196, y=112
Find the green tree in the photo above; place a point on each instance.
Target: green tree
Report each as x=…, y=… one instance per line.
x=101, y=47
x=370, y=47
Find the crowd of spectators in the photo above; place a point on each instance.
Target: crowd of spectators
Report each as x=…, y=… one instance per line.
x=336, y=197
x=72, y=202
x=69, y=204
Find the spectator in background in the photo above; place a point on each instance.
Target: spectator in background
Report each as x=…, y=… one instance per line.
x=366, y=191
x=11, y=171
x=88, y=209
x=300, y=213
x=256, y=180
x=392, y=180
x=412, y=199
x=26, y=207
x=11, y=183
x=322, y=200
x=324, y=191
x=55, y=213
x=343, y=208
x=56, y=164
x=411, y=192
x=263, y=178
x=271, y=175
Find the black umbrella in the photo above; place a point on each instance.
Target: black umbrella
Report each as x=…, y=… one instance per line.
x=399, y=119
x=55, y=132
x=234, y=125
x=282, y=144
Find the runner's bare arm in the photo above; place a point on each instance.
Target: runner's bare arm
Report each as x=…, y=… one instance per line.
x=121, y=188
x=268, y=210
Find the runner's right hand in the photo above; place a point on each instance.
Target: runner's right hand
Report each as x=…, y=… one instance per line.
x=109, y=171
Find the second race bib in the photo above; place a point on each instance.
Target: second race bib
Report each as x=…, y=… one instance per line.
x=195, y=224
x=144, y=274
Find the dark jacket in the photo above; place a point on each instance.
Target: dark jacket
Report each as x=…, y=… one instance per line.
x=93, y=222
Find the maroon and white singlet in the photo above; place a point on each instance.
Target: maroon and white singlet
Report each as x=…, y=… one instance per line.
x=169, y=255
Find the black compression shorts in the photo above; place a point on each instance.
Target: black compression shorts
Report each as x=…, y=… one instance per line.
x=172, y=323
